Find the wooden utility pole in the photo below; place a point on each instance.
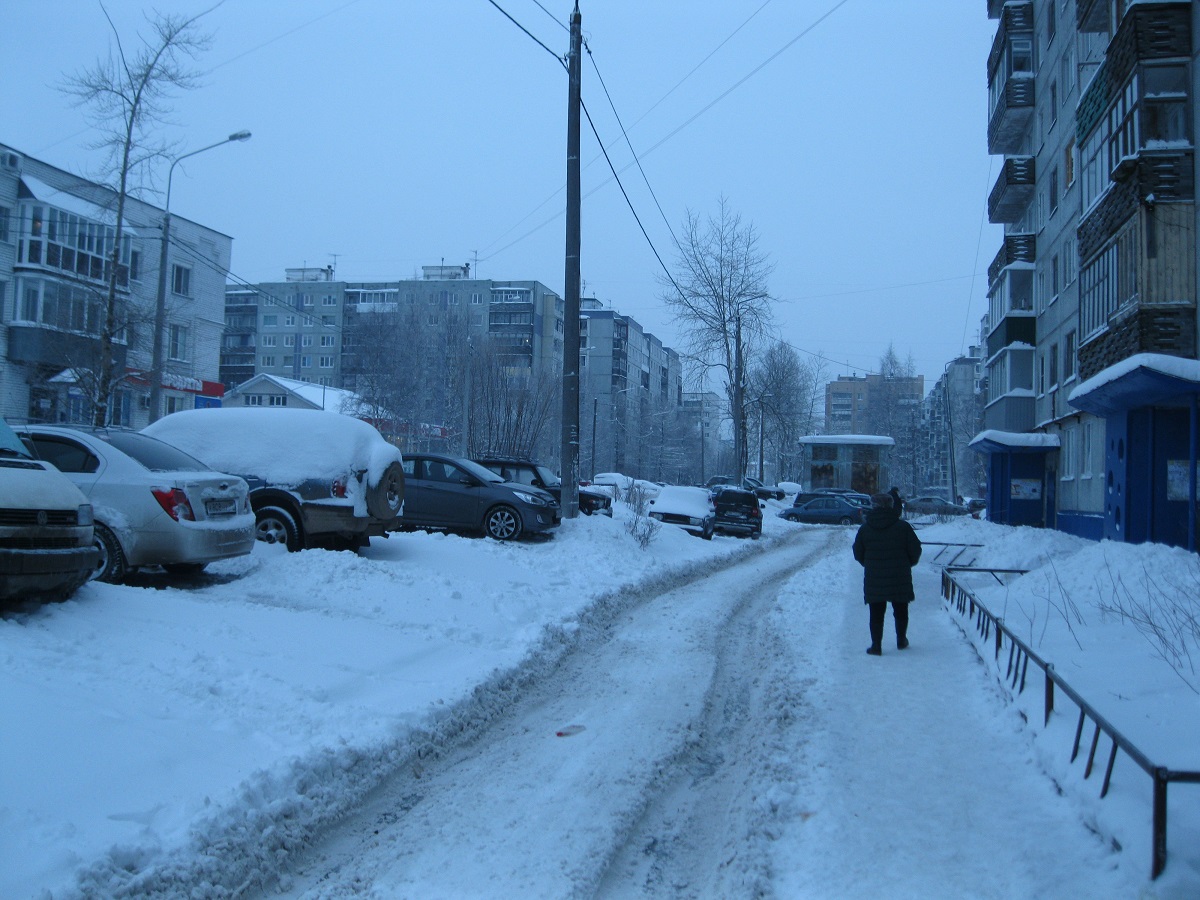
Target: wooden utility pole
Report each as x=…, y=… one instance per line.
x=570, y=381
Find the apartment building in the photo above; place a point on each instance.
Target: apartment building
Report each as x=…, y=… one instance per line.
x=1091, y=351
x=632, y=385
x=57, y=232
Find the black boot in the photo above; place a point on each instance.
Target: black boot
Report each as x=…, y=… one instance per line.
x=875, y=650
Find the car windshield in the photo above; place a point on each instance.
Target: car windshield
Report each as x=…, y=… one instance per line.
x=153, y=454
x=548, y=478
x=480, y=472
x=10, y=444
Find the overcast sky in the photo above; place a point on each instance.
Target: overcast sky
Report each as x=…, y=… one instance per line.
x=391, y=134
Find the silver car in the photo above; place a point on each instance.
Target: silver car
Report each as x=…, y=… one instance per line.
x=153, y=504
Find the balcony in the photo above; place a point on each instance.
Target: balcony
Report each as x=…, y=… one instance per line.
x=1017, y=248
x=1011, y=117
x=40, y=346
x=1013, y=330
x=994, y=8
x=1013, y=191
x=1091, y=15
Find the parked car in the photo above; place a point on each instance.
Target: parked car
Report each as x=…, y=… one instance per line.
x=691, y=508
x=832, y=509
x=317, y=478
x=460, y=495
x=863, y=500
x=153, y=504
x=933, y=506
x=738, y=511
x=765, y=491
x=592, y=501
x=618, y=486
x=46, y=536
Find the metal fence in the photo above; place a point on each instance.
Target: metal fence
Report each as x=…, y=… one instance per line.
x=991, y=627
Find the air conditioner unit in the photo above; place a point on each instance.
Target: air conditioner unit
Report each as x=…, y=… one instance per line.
x=10, y=161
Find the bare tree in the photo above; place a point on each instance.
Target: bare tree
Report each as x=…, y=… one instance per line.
x=719, y=296
x=126, y=97
x=512, y=410
x=894, y=410
x=789, y=390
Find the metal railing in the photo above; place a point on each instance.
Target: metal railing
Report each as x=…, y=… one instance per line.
x=949, y=554
x=991, y=627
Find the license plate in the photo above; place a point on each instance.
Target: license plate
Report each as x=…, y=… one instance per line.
x=220, y=507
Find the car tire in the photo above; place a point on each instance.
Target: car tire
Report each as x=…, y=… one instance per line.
x=503, y=523
x=707, y=534
x=846, y=520
x=111, y=568
x=274, y=525
x=386, y=497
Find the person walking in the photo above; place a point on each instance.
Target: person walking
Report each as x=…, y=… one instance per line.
x=887, y=548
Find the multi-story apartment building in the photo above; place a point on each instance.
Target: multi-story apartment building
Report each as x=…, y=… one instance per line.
x=633, y=387
x=1093, y=294
x=860, y=404
x=57, y=232
x=952, y=414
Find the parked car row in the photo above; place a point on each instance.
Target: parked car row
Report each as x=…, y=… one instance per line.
x=826, y=509
x=765, y=491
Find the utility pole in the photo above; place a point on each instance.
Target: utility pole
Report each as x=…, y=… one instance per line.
x=570, y=383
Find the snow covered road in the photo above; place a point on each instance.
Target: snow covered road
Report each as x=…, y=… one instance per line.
x=538, y=804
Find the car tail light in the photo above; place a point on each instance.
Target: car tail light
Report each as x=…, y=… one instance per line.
x=338, y=488
x=175, y=503
x=755, y=512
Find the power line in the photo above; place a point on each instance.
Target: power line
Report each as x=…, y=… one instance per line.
x=560, y=60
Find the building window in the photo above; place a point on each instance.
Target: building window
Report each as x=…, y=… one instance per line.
x=5, y=235
x=1069, y=356
x=329, y=300
x=268, y=362
x=178, y=404
x=327, y=320
x=278, y=399
x=306, y=340
x=327, y=340
x=252, y=400
x=326, y=362
x=306, y=362
x=1053, y=366
x=289, y=340
x=1067, y=455
x=177, y=343
x=1054, y=190
x=181, y=281
x=1053, y=103
x=1051, y=23
x=289, y=321
x=1069, y=162
x=268, y=340
x=1054, y=278
x=476, y=298
x=270, y=321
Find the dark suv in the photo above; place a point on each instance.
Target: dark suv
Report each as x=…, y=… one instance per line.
x=460, y=495
x=738, y=511
x=592, y=501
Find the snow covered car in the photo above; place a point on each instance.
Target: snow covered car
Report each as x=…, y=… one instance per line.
x=738, y=511
x=618, y=486
x=153, y=504
x=691, y=508
x=934, y=506
x=46, y=529
x=317, y=478
x=765, y=491
x=592, y=501
x=460, y=495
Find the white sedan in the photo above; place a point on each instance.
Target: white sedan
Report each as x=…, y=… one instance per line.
x=691, y=508
x=153, y=504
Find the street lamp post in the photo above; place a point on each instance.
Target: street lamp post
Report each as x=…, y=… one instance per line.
x=160, y=301
x=761, y=417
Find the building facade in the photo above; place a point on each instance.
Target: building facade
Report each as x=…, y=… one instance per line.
x=952, y=415
x=1093, y=293
x=57, y=232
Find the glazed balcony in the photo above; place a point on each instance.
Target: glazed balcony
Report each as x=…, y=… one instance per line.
x=1091, y=15
x=1013, y=191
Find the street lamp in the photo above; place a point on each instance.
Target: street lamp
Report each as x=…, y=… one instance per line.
x=160, y=302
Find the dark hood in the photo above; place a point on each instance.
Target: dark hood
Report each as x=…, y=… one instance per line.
x=882, y=518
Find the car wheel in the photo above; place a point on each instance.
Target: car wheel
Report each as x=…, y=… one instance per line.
x=384, y=499
x=276, y=526
x=845, y=520
x=184, y=569
x=707, y=534
x=503, y=523
x=111, y=566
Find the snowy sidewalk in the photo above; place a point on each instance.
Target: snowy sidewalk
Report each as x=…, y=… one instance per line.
x=913, y=778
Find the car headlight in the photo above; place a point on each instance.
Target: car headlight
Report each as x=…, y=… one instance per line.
x=531, y=499
x=83, y=515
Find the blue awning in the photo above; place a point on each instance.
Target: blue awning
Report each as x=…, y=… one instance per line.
x=1146, y=379
x=992, y=441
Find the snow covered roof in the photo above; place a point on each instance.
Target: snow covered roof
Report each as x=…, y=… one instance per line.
x=318, y=395
x=991, y=441
x=1144, y=379
x=878, y=439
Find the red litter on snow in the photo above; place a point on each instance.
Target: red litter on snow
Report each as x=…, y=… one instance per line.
x=569, y=731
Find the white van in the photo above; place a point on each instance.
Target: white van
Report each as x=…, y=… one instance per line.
x=46, y=539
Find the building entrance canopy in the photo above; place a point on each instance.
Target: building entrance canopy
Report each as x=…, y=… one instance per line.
x=1145, y=379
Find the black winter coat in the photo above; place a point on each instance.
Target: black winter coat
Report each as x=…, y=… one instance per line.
x=887, y=548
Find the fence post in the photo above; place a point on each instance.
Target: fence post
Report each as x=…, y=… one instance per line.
x=1159, y=837
x=1049, y=693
